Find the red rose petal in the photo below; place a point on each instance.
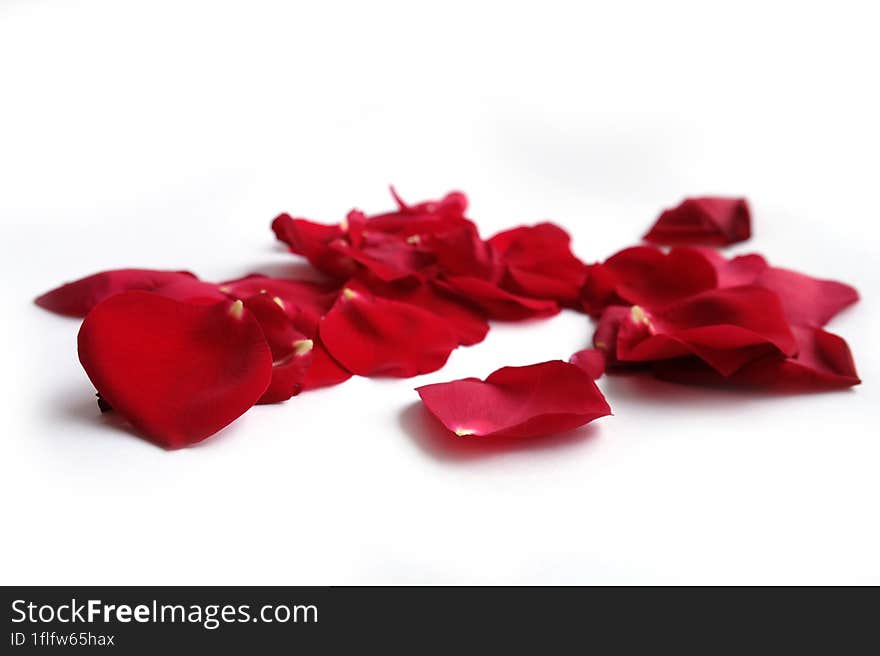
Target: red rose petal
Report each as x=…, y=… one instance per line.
x=458, y=250
x=726, y=328
x=312, y=241
x=519, y=402
x=736, y=271
x=292, y=352
x=709, y=220
x=538, y=262
x=278, y=328
x=373, y=336
x=324, y=371
x=807, y=301
x=192, y=291
x=498, y=303
x=469, y=324
x=77, y=298
x=289, y=374
x=428, y=217
x=387, y=256
x=303, y=300
x=599, y=290
x=607, y=331
x=646, y=276
x=823, y=362
x=592, y=361
x=179, y=372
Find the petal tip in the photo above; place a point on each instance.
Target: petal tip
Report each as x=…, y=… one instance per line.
x=236, y=310
x=303, y=346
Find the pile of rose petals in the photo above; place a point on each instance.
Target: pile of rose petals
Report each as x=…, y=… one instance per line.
x=180, y=358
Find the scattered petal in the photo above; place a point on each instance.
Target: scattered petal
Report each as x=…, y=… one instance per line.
x=592, y=361
x=498, y=303
x=709, y=220
x=77, y=298
x=646, y=276
x=304, y=301
x=373, y=336
x=726, y=328
x=538, y=262
x=468, y=323
x=807, y=301
x=517, y=402
x=823, y=362
x=178, y=372
x=312, y=241
x=324, y=371
x=192, y=290
x=736, y=271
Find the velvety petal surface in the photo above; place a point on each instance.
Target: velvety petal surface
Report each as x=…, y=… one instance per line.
x=517, y=402
x=179, y=372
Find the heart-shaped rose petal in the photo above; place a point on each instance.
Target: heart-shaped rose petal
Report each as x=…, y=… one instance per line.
x=179, y=372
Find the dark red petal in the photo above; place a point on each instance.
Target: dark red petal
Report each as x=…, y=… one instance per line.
x=373, y=336
x=736, y=271
x=823, y=362
x=538, y=262
x=468, y=323
x=608, y=329
x=289, y=374
x=389, y=257
x=312, y=241
x=76, y=298
x=521, y=402
x=646, y=276
x=454, y=203
x=179, y=372
x=498, y=303
x=292, y=351
x=192, y=291
x=278, y=328
x=427, y=217
x=726, y=328
x=710, y=221
x=459, y=251
x=807, y=301
x=599, y=290
x=304, y=301
x=592, y=361
x=324, y=371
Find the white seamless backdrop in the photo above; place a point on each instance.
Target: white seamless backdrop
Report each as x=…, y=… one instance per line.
x=169, y=134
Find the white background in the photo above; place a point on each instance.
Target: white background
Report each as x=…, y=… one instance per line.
x=169, y=134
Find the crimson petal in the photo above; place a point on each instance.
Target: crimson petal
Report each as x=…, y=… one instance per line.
x=538, y=262
x=646, y=276
x=324, y=371
x=312, y=241
x=739, y=270
x=591, y=360
x=807, y=301
x=303, y=300
x=726, y=328
x=498, y=303
x=468, y=323
x=373, y=336
x=77, y=298
x=387, y=256
x=823, y=362
x=517, y=402
x=179, y=372
x=709, y=220
x=192, y=291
